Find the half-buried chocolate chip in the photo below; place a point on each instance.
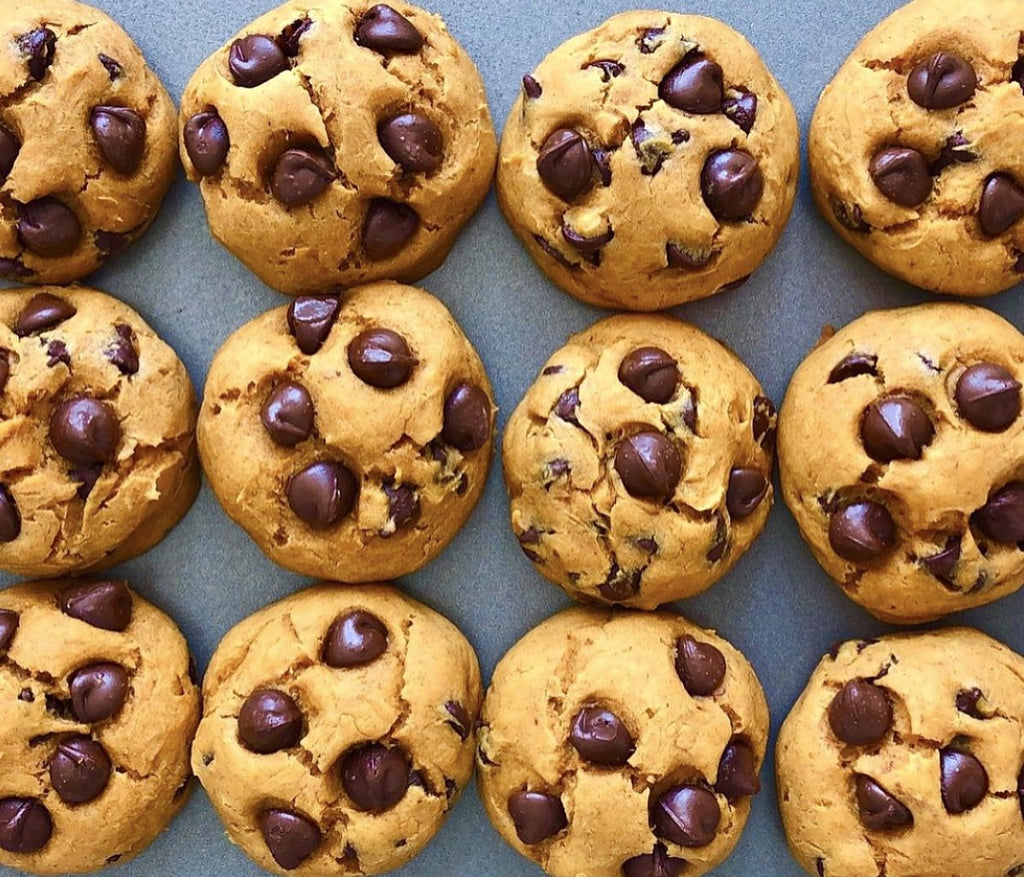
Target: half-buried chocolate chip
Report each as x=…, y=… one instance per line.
x=988, y=397
x=375, y=777
x=536, y=816
x=860, y=714
x=862, y=531
x=354, y=639
x=106, y=605
x=322, y=494
x=290, y=837
x=942, y=81
x=601, y=737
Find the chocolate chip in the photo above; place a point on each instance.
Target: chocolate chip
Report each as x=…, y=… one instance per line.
x=85, y=477
x=956, y=150
x=651, y=149
x=567, y=406
x=255, y=59
x=620, y=585
x=123, y=352
x=381, y=358
x=13, y=269
x=1002, y=517
x=300, y=176
x=763, y=421
x=48, y=227
x=860, y=714
x=322, y=494
x=649, y=465
x=114, y=70
x=385, y=30
x=38, y=46
x=8, y=627
x=879, y=810
x=609, y=69
x=289, y=38
x=700, y=666
x=747, y=488
x=110, y=242
x=682, y=257
x=656, y=864
x=651, y=373
x=600, y=736
x=121, y=135
x=737, y=772
x=10, y=519
x=721, y=541
x=588, y=247
x=536, y=815
x=896, y=428
x=964, y=781
x=741, y=108
x=467, y=418
x=853, y=366
x=5, y=368
x=412, y=141
x=57, y=351
x=862, y=531
x=849, y=216
x=290, y=837
x=388, y=228
x=650, y=40
x=459, y=721
x=530, y=536
x=943, y=564
x=79, y=770
x=565, y=164
x=106, y=605
x=1002, y=204
x=694, y=85
x=310, y=320
x=354, y=639
x=10, y=146
x=941, y=82
x=98, y=691
x=602, y=161
x=85, y=431
x=207, y=142
x=269, y=721
x=287, y=414
x=902, y=175
x=25, y=825
x=967, y=701
x=375, y=777
x=686, y=815
x=531, y=87
x=732, y=184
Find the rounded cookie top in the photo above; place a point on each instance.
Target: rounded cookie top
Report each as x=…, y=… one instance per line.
x=87, y=140
x=914, y=146
x=339, y=144
x=621, y=743
x=639, y=462
x=900, y=443
x=349, y=437
x=903, y=755
x=337, y=730
x=650, y=161
x=97, y=433
x=99, y=713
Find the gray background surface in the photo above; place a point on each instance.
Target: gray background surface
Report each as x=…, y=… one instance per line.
x=777, y=606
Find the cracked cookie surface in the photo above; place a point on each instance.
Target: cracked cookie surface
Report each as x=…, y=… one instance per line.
x=97, y=433
x=338, y=143
x=349, y=437
x=903, y=757
x=914, y=147
x=639, y=463
x=900, y=448
x=649, y=162
x=337, y=730
x=87, y=140
x=99, y=710
x=621, y=743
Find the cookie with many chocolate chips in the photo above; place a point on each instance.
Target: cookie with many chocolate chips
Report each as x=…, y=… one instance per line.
x=639, y=463
x=900, y=447
x=97, y=433
x=339, y=144
x=97, y=713
x=622, y=743
x=349, y=437
x=650, y=162
x=87, y=140
x=337, y=730
x=903, y=757
x=915, y=146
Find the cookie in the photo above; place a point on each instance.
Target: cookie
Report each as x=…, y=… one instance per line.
x=338, y=144
x=903, y=757
x=914, y=146
x=639, y=463
x=337, y=730
x=87, y=140
x=621, y=745
x=349, y=437
x=99, y=709
x=899, y=447
x=650, y=161
x=97, y=433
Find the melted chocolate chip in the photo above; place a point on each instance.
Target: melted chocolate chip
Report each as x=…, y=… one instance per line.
x=106, y=605
x=649, y=465
x=322, y=494
x=381, y=358
x=964, y=781
x=862, y=531
x=300, y=176
x=609, y=69
x=412, y=141
x=85, y=431
x=98, y=691
x=288, y=414
x=700, y=666
x=600, y=737
x=685, y=258
x=656, y=864
x=741, y=108
x=853, y=366
x=531, y=87
x=737, y=772
x=467, y=418
x=10, y=519
x=57, y=351
x=388, y=228
x=291, y=36
x=1001, y=519
x=459, y=721
x=8, y=627
x=385, y=30
x=207, y=142
x=687, y=816
x=25, y=825
x=121, y=136
x=10, y=146
x=1002, y=204
x=567, y=406
x=895, y=428
x=290, y=837
x=747, y=488
x=651, y=373
x=732, y=184
x=967, y=702
x=310, y=320
x=375, y=777
x=942, y=81
x=536, y=816
x=565, y=164
x=943, y=564
x=269, y=721
x=123, y=351
x=49, y=228
x=878, y=809
x=354, y=639
x=902, y=175
x=38, y=47
x=588, y=247
x=403, y=507
x=114, y=69
x=694, y=85
x=80, y=770
x=255, y=59
x=860, y=714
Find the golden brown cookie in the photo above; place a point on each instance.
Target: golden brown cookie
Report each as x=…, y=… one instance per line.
x=339, y=143
x=97, y=717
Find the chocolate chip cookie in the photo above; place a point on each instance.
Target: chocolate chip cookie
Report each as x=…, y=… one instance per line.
x=97, y=433
x=650, y=162
x=621, y=745
x=87, y=140
x=98, y=710
x=337, y=730
x=914, y=147
x=339, y=144
x=639, y=463
x=900, y=446
x=903, y=757
x=350, y=438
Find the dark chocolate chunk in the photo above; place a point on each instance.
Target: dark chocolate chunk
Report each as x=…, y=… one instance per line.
x=403, y=506
x=741, y=108
x=656, y=864
x=459, y=721
x=1002, y=204
x=609, y=69
x=114, y=69
x=853, y=366
x=988, y=397
x=943, y=564
x=291, y=36
x=531, y=87
x=354, y=639
x=10, y=519
x=588, y=247
x=8, y=627
x=967, y=702
x=104, y=604
x=686, y=258
x=567, y=406
x=10, y=146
